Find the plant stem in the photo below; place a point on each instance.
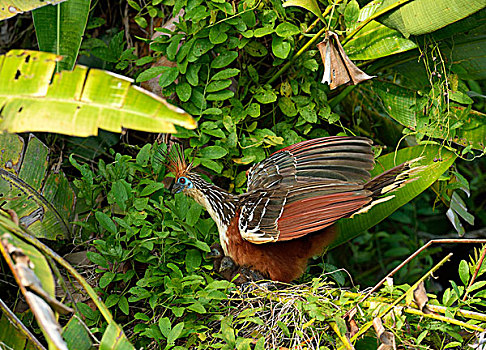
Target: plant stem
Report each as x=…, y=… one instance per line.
x=478, y=267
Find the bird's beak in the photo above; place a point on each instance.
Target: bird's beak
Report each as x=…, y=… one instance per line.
x=176, y=188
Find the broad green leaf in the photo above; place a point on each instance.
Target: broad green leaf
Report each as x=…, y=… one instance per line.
x=10, y=8
x=280, y=47
x=424, y=16
x=40, y=266
x=433, y=169
x=224, y=59
x=184, y=91
x=175, y=333
x=309, y=5
x=76, y=335
x=12, y=337
x=42, y=199
x=77, y=102
x=212, y=152
x=287, y=29
x=226, y=74
x=60, y=29
x=376, y=40
x=105, y=222
x=115, y=339
x=218, y=85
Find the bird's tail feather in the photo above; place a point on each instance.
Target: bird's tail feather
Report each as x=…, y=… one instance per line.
x=389, y=181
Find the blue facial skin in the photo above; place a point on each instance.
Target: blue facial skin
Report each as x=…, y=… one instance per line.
x=182, y=182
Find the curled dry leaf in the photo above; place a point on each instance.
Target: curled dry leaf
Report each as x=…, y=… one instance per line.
x=420, y=297
x=387, y=338
x=338, y=68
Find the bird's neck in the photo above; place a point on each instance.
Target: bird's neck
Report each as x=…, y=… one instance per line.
x=220, y=204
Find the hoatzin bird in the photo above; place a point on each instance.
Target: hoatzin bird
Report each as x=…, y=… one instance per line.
x=294, y=197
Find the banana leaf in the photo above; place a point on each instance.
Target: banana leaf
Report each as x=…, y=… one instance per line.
x=78, y=102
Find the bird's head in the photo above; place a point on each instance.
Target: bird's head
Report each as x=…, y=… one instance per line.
x=186, y=182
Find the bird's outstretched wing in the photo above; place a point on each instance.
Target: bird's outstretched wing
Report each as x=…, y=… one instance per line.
x=334, y=158
x=305, y=187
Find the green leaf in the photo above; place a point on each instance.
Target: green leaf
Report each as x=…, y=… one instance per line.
x=7, y=10
x=218, y=85
x=193, y=260
x=224, y=59
x=217, y=36
x=105, y=222
x=287, y=106
x=98, y=98
x=120, y=194
x=211, y=164
x=280, y=47
x=256, y=49
x=151, y=188
x=425, y=16
x=123, y=304
x=433, y=169
x=197, y=307
x=287, y=29
x=114, y=338
x=464, y=272
x=42, y=199
x=106, y=279
x=309, y=5
x=184, y=90
x=260, y=32
x=212, y=152
x=376, y=40
x=351, y=13
x=98, y=259
x=175, y=333
x=227, y=332
x=226, y=74
x=168, y=76
x=60, y=29
x=165, y=326
x=308, y=113
x=220, y=95
x=265, y=96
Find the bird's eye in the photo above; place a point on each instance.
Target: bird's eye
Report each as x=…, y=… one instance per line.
x=182, y=180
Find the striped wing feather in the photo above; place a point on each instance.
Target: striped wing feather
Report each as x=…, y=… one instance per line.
x=334, y=158
x=305, y=187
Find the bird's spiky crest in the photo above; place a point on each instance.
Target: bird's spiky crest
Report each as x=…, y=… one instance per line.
x=177, y=161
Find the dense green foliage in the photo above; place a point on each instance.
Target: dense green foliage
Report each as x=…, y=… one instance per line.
x=249, y=72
